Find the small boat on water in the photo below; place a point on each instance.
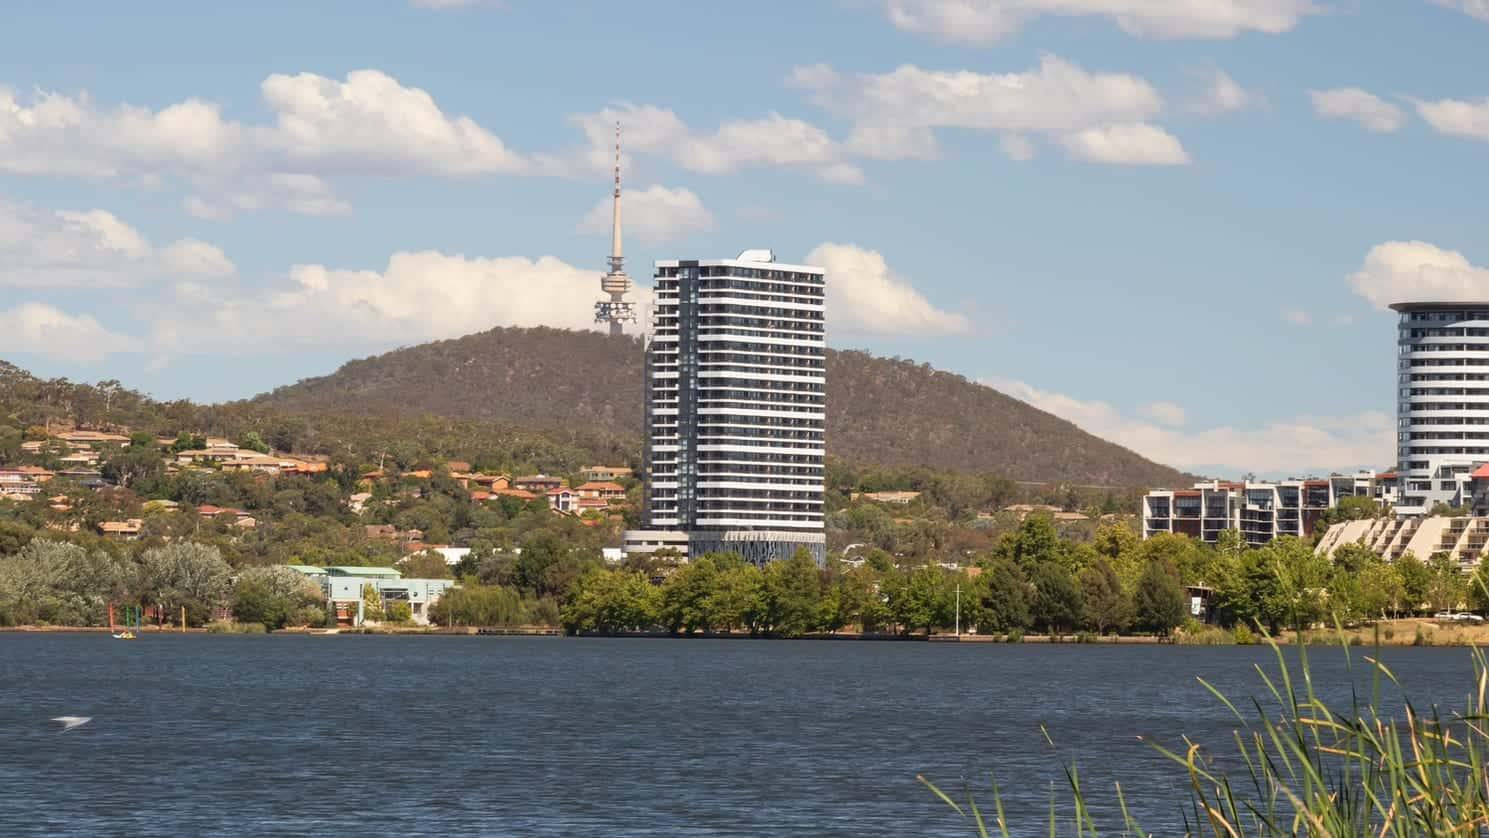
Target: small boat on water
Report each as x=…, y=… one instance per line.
x=128, y=632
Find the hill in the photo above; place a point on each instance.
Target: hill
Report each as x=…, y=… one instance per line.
x=880, y=411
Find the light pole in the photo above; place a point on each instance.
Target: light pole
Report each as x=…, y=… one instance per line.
x=958, y=609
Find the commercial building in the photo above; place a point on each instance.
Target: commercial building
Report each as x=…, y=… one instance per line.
x=1259, y=511
x=1442, y=401
x=344, y=587
x=735, y=409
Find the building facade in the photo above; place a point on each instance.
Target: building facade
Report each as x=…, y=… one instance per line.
x=1259, y=511
x=735, y=390
x=1442, y=401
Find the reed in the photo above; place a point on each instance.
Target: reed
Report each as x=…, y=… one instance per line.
x=1311, y=769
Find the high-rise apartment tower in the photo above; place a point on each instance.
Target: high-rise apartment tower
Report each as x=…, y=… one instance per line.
x=735, y=409
x=1442, y=401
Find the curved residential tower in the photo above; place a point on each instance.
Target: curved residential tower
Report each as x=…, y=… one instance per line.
x=1442, y=401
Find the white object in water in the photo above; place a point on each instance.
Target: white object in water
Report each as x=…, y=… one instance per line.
x=70, y=722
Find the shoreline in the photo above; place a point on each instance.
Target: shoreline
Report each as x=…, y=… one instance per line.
x=1421, y=632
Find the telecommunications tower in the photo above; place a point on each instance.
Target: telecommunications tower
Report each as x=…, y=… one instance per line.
x=617, y=309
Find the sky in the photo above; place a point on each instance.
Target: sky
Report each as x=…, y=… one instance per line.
x=1176, y=224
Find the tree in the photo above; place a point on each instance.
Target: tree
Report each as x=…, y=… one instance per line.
x=372, y=604
x=184, y=573
x=687, y=595
x=792, y=589
x=1158, y=602
x=1381, y=589
x=605, y=600
x=275, y=596
x=1106, y=604
x=922, y=601
x=253, y=442
x=1445, y=588
x=1057, y=598
x=1005, y=598
x=426, y=564
x=1035, y=542
x=1415, y=578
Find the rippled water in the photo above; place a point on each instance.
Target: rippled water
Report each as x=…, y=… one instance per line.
x=287, y=735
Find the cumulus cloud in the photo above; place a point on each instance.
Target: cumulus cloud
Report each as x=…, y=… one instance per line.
x=39, y=329
x=1290, y=447
x=93, y=249
x=1473, y=8
x=865, y=297
x=653, y=214
x=1457, y=118
x=1223, y=94
x=773, y=140
x=417, y=296
x=981, y=22
x=367, y=124
x=1415, y=271
x=1134, y=144
x=1352, y=103
x=1104, y=117
x=1296, y=317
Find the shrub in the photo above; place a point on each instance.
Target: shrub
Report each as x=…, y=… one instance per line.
x=1389, y=633
x=1014, y=636
x=1086, y=637
x=230, y=627
x=1243, y=635
x=1421, y=639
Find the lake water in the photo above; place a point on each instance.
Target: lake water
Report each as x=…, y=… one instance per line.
x=289, y=735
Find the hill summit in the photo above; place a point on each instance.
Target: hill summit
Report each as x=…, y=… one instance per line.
x=881, y=411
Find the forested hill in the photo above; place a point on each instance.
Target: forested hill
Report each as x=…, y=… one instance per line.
x=880, y=411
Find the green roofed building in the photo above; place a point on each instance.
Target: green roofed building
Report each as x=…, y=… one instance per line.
x=366, y=572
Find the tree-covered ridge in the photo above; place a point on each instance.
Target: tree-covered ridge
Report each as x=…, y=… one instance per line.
x=881, y=411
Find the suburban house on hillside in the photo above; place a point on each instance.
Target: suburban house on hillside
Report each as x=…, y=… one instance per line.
x=538, y=483
x=602, y=489
x=605, y=472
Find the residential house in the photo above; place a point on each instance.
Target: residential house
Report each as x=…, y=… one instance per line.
x=520, y=494
x=601, y=489
x=563, y=500
x=127, y=530
x=89, y=478
x=457, y=467
x=381, y=532
x=591, y=505
x=538, y=483
x=897, y=498
x=358, y=501
x=92, y=438
x=605, y=472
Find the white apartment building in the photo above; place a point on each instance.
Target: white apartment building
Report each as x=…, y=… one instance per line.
x=1259, y=511
x=1442, y=401
x=735, y=409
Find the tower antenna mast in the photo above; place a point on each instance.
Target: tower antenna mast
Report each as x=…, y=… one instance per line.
x=616, y=310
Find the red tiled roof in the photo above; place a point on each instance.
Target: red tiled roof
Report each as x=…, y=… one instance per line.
x=1481, y=471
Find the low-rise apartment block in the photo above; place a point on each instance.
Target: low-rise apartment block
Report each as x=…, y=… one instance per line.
x=1259, y=511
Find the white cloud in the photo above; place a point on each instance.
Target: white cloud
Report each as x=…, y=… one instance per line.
x=372, y=123
x=417, y=296
x=1415, y=271
x=865, y=297
x=1473, y=8
x=46, y=331
x=367, y=124
x=1352, y=103
x=1166, y=413
x=1296, y=317
x=1290, y=447
x=981, y=22
x=1223, y=94
x=1096, y=116
x=774, y=140
x=1457, y=118
x=653, y=214
x=92, y=249
x=298, y=193
x=1133, y=144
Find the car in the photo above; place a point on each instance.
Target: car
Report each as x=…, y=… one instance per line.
x=1445, y=616
x=1466, y=617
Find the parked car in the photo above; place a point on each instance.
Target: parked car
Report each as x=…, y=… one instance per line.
x=1466, y=617
x=1445, y=616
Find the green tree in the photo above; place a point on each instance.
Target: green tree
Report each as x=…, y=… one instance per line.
x=1445, y=587
x=1107, y=607
x=1034, y=542
x=1415, y=579
x=1158, y=603
x=608, y=601
x=181, y=573
x=738, y=597
x=426, y=564
x=372, y=604
x=1005, y=596
x=273, y=596
x=1057, y=598
x=922, y=602
x=1381, y=589
x=253, y=442
x=687, y=597
x=792, y=591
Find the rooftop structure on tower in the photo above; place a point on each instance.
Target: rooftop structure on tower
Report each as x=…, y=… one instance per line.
x=617, y=309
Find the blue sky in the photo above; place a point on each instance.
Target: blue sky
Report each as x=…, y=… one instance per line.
x=1176, y=226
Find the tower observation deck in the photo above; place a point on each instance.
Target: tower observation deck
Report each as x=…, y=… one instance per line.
x=616, y=310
